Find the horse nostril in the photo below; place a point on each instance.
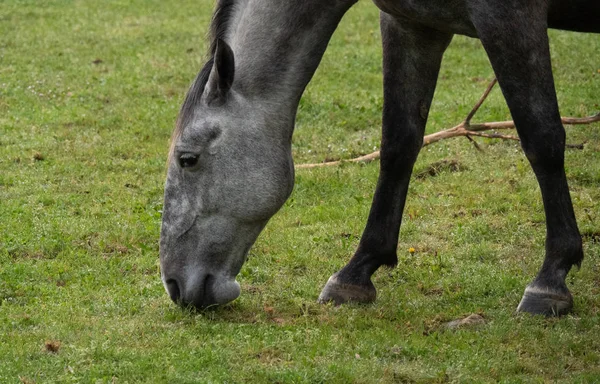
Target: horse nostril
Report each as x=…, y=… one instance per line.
x=207, y=283
x=173, y=289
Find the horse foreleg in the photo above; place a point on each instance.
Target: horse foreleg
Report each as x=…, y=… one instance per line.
x=516, y=41
x=412, y=56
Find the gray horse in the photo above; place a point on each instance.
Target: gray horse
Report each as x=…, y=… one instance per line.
x=231, y=169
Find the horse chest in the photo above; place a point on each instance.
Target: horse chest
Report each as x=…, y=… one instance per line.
x=446, y=15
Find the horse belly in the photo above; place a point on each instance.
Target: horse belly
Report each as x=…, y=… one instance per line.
x=575, y=15
x=444, y=15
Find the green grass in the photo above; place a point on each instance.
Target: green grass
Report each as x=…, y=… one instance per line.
x=89, y=92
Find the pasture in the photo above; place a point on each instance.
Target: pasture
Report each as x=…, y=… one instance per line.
x=89, y=92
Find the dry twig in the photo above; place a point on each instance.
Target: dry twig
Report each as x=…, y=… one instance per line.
x=466, y=129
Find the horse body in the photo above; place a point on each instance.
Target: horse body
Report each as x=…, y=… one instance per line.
x=456, y=16
x=231, y=167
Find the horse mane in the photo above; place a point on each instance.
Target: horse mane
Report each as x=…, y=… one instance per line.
x=218, y=28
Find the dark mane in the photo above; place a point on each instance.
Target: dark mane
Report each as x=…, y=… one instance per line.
x=218, y=28
x=220, y=22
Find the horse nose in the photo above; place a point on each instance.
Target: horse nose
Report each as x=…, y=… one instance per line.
x=195, y=291
x=198, y=293
x=201, y=290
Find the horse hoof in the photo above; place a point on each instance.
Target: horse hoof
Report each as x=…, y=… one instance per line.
x=340, y=293
x=545, y=301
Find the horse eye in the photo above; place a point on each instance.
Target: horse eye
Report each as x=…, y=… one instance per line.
x=187, y=160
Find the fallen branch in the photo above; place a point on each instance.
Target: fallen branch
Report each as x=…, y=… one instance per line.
x=465, y=129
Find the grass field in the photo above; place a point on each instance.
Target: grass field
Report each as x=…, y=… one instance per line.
x=89, y=92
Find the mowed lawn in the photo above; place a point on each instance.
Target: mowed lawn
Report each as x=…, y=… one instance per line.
x=89, y=92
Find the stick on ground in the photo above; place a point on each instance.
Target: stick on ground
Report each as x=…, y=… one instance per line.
x=465, y=129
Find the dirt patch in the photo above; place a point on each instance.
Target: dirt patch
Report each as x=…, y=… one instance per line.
x=473, y=319
x=591, y=237
x=52, y=346
x=440, y=167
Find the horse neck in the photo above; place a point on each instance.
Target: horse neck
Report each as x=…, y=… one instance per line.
x=279, y=44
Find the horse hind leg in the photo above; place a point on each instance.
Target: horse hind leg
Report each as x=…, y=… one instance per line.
x=517, y=45
x=411, y=61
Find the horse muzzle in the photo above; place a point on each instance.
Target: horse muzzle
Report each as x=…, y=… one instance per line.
x=201, y=290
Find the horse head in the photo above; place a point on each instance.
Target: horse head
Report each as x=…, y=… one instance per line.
x=227, y=175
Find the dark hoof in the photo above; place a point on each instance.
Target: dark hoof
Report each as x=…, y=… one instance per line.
x=544, y=301
x=340, y=293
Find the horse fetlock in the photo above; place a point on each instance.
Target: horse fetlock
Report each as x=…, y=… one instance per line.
x=565, y=252
x=545, y=300
x=340, y=292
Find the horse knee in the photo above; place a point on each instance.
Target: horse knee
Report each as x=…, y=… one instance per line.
x=403, y=150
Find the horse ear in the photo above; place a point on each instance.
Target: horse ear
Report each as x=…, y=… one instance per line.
x=222, y=73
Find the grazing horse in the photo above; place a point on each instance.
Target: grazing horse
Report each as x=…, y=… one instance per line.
x=230, y=164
